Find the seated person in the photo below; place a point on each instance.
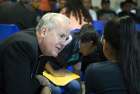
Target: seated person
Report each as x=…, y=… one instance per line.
x=121, y=73
x=126, y=7
x=75, y=10
x=57, y=68
x=70, y=56
x=95, y=55
x=105, y=13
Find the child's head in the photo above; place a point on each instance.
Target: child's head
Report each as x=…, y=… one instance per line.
x=88, y=39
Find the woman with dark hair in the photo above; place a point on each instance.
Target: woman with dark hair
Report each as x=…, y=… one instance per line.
x=121, y=73
x=75, y=10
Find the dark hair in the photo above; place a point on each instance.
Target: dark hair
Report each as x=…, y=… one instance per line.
x=88, y=34
x=123, y=3
x=123, y=38
x=87, y=27
x=105, y=1
x=77, y=8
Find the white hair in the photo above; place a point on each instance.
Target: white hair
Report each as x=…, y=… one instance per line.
x=51, y=21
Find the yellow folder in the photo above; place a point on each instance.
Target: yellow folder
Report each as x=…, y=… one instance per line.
x=61, y=81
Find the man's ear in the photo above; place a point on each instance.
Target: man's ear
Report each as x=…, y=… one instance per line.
x=43, y=32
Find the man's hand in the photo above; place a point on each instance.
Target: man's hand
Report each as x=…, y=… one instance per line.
x=46, y=90
x=42, y=80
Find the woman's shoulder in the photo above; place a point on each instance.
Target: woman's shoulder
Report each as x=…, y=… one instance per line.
x=103, y=64
x=103, y=67
x=105, y=77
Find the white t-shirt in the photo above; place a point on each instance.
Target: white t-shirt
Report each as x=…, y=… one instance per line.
x=93, y=14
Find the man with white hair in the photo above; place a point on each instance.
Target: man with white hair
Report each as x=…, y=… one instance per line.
x=20, y=53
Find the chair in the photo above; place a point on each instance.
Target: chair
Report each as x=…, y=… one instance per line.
x=138, y=27
x=99, y=26
x=7, y=29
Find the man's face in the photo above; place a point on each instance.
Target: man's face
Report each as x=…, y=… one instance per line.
x=54, y=40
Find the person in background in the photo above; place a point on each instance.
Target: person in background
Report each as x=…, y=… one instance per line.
x=20, y=13
x=105, y=13
x=61, y=5
x=126, y=9
x=44, y=6
x=88, y=5
x=1, y=1
x=121, y=73
x=75, y=10
x=21, y=54
x=54, y=5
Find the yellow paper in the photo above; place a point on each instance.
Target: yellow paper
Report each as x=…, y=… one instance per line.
x=61, y=81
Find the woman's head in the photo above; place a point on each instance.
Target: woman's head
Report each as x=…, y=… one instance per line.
x=111, y=39
x=77, y=9
x=89, y=39
x=121, y=44
x=116, y=31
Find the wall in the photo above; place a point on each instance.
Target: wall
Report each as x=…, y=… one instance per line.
x=114, y=3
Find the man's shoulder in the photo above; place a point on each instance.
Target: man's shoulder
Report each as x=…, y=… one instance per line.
x=25, y=36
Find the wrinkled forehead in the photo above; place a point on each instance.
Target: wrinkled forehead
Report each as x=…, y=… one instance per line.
x=63, y=28
x=65, y=31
